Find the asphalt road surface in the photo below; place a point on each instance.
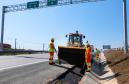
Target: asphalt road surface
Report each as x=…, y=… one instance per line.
x=25, y=69
x=34, y=69
x=7, y=62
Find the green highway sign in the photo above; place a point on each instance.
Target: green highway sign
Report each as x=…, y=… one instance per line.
x=34, y=4
x=51, y=2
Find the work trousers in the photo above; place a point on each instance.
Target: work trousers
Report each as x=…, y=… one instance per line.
x=88, y=63
x=51, y=57
x=97, y=56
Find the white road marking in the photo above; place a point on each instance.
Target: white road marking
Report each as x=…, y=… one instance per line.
x=7, y=65
x=22, y=65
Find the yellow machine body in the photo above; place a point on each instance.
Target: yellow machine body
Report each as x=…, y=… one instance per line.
x=74, y=52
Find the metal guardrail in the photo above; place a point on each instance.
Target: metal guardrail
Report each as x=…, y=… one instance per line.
x=21, y=51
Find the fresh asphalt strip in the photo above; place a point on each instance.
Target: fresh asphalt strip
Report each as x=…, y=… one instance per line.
x=72, y=76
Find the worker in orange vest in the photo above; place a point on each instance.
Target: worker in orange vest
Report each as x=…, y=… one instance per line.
x=51, y=51
x=88, y=56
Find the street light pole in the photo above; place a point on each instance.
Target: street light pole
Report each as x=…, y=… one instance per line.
x=125, y=27
x=43, y=46
x=2, y=28
x=15, y=44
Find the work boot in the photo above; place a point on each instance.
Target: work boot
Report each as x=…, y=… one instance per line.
x=50, y=63
x=88, y=71
x=53, y=63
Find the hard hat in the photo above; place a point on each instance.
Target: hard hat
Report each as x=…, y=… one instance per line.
x=95, y=48
x=87, y=44
x=53, y=39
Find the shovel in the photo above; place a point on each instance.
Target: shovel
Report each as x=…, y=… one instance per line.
x=83, y=69
x=99, y=61
x=58, y=59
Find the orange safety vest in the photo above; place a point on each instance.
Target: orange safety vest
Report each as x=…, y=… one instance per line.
x=88, y=54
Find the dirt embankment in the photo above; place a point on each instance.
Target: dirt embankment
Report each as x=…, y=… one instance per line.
x=119, y=64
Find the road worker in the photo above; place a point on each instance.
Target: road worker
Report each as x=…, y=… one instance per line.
x=88, y=56
x=97, y=53
x=51, y=51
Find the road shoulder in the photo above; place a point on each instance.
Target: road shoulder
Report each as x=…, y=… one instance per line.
x=109, y=77
x=99, y=74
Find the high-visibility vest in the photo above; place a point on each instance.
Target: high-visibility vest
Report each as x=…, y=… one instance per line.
x=97, y=51
x=88, y=53
x=50, y=47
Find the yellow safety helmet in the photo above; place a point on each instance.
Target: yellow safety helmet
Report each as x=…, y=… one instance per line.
x=95, y=48
x=53, y=39
x=87, y=44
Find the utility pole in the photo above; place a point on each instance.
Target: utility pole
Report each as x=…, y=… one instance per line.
x=125, y=27
x=43, y=46
x=15, y=44
x=2, y=28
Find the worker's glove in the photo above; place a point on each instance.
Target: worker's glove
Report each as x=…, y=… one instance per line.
x=86, y=57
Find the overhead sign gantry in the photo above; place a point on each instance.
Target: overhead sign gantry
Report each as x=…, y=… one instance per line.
x=43, y=4
x=36, y=5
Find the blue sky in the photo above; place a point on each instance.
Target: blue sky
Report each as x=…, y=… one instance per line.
x=101, y=22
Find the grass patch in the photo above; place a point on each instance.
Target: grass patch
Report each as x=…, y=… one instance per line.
x=61, y=83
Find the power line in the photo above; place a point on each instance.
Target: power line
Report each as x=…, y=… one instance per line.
x=22, y=41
